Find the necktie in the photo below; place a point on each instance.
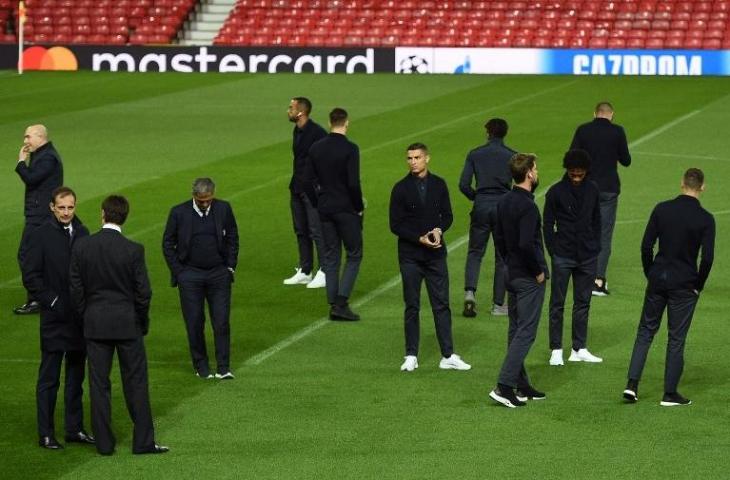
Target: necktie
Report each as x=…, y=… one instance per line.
x=67, y=231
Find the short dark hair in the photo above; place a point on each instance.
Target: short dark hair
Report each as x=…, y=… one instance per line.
x=693, y=179
x=304, y=104
x=61, y=192
x=338, y=117
x=577, y=158
x=496, y=128
x=418, y=146
x=604, y=107
x=520, y=164
x=116, y=209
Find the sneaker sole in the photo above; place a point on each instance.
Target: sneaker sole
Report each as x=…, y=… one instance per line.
x=598, y=294
x=524, y=399
x=309, y=285
x=501, y=400
x=674, y=404
x=630, y=396
x=453, y=367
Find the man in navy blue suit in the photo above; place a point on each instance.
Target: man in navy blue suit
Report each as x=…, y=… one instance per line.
x=200, y=245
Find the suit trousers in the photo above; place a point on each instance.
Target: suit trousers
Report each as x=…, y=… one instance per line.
x=49, y=375
x=583, y=273
x=308, y=229
x=483, y=222
x=680, y=305
x=31, y=223
x=196, y=286
x=133, y=367
x=608, y=204
x=436, y=274
x=341, y=229
x=525, y=298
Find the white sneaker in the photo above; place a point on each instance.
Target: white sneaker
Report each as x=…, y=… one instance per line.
x=583, y=355
x=556, y=358
x=298, y=278
x=318, y=281
x=410, y=364
x=454, y=362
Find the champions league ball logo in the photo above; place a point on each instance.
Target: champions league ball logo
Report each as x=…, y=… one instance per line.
x=413, y=64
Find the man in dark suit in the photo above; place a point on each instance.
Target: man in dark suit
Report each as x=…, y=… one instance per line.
x=200, y=245
x=606, y=144
x=572, y=231
x=334, y=168
x=420, y=213
x=307, y=225
x=111, y=290
x=488, y=164
x=519, y=239
x=45, y=275
x=674, y=281
x=39, y=167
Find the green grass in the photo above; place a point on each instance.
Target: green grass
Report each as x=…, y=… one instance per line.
x=333, y=404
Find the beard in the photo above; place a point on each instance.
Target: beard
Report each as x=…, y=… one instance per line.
x=292, y=119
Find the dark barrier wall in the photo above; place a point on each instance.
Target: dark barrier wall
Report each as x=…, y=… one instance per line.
x=201, y=59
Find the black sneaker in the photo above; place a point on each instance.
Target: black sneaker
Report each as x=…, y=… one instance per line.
x=342, y=313
x=528, y=393
x=631, y=392
x=27, y=308
x=674, y=400
x=470, y=308
x=600, y=291
x=506, y=396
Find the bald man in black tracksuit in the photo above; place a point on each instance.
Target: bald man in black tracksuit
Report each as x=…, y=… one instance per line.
x=682, y=227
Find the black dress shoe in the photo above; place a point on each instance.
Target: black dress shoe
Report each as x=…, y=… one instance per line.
x=27, y=308
x=343, y=313
x=50, y=443
x=80, y=437
x=153, y=449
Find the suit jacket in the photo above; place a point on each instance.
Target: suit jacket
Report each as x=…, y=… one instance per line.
x=110, y=287
x=179, y=232
x=334, y=167
x=410, y=218
x=302, y=140
x=682, y=227
x=606, y=143
x=45, y=275
x=42, y=175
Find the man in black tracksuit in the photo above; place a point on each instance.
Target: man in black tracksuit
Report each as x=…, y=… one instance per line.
x=46, y=276
x=334, y=171
x=304, y=215
x=420, y=213
x=606, y=144
x=682, y=227
x=488, y=164
x=39, y=167
x=519, y=239
x=572, y=231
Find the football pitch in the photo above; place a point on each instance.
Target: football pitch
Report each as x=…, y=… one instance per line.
x=319, y=399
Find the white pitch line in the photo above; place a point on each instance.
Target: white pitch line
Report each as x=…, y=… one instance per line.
x=644, y=220
x=318, y=324
x=664, y=128
x=156, y=226
x=313, y=327
x=680, y=155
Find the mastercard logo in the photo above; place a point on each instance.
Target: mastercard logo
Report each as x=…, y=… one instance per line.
x=54, y=58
